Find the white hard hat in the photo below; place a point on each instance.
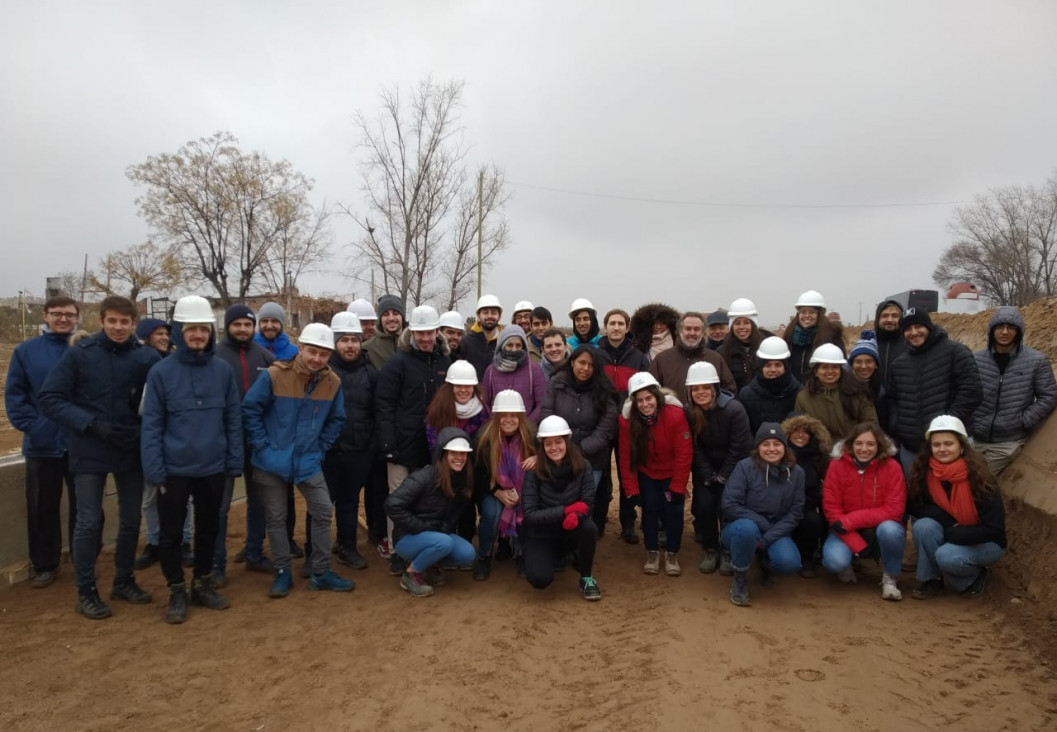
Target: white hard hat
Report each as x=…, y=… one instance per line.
x=522, y=305
x=701, y=372
x=946, y=423
x=773, y=348
x=462, y=373
x=317, y=334
x=488, y=301
x=194, y=309
x=553, y=426
x=345, y=323
x=423, y=317
x=581, y=303
x=508, y=400
x=641, y=380
x=827, y=353
x=451, y=319
x=362, y=309
x=743, y=308
x=811, y=299
x=458, y=444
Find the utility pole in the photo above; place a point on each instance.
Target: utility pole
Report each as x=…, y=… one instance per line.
x=480, y=229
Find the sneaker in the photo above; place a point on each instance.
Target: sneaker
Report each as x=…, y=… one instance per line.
x=331, y=580
x=928, y=589
x=653, y=562
x=385, y=549
x=187, y=556
x=628, y=534
x=296, y=551
x=176, y=613
x=589, y=589
x=130, y=592
x=739, y=590
x=808, y=569
x=482, y=568
x=202, y=593
x=396, y=566
x=710, y=563
x=91, y=605
x=415, y=584
x=281, y=586
x=435, y=577
x=306, y=569
x=725, y=567
x=147, y=558
x=43, y=579
x=889, y=589
x=847, y=575
x=263, y=565
x=219, y=579
x=978, y=586
x=351, y=558
x=671, y=564
x=240, y=556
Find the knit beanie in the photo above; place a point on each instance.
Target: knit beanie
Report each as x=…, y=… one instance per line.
x=148, y=325
x=391, y=302
x=867, y=344
x=272, y=310
x=770, y=431
x=915, y=316
x=240, y=310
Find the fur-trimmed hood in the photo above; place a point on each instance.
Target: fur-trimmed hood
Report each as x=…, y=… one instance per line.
x=403, y=343
x=813, y=427
x=641, y=326
x=670, y=399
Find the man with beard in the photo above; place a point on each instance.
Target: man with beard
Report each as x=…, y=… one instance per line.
x=368, y=319
x=271, y=320
x=670, y=367
x=890, y=342
x=478, y=347
x=453, y=329
x=523, y=315
x=382, y=346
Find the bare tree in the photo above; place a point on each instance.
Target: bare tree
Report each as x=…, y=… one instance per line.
x=302, y=245
x=72, y=284
x=417, y=223
x=138, y=269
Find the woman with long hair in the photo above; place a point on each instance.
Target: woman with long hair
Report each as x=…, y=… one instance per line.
x=959, y=520
x=832, y=395
x=743, y=339
x=506, y=450
x=457, y=403
x=655, y=457
x=557, y=510
x=864, y=499
x=809, y=329
x=425, y=510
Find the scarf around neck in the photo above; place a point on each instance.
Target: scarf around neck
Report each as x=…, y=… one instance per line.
x=507, y=361
x=959, y=503
x=804, y=336
x=470, y=409
x=660, y=342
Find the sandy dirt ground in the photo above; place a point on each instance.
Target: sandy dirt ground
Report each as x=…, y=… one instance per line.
x=656, y=653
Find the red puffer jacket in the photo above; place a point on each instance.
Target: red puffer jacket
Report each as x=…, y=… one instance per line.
x=862, y=500
x=671, y=449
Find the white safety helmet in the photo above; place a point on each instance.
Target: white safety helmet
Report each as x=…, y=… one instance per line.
x=828, y=353
x=462, y=373
x=345, y=323
x=508, y=400
x=451, y=319
x=743, y=308
x=811, y=299
x=317, y=334
x=458, y=444
x=773, y=348
x=553, y=426
x=423, y=317
x=581, y=303
x=946, y=423
x=522, y=305
x=488, y=301
x=194, y=309
x=701, y=372
x=641, y=380
x=362, y=309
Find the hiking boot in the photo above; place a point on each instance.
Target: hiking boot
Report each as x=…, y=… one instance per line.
x=653, y=562
x=725, y=567
x=435, y=576
x=847, y=575
x=281, y=586
x=763, y=560
x=928, y=589
x=147, y=558
x=385, y=549
x=240, y=556
x=710, y=563
x=262, y=565
x=351, y=558
x=396, y=566
x=330, y=580
x=482, y=568
x=808, y=568
x=130, y=592
x=176, y=613
x=628, y=534
x=589, y=589
x=306, y=569
x=296, y=551
x=978, y=586
x=503, y=551
x=187, y=556
x=91, y=605
x=671, y=564
x=739, y=590
x=219, y=579
x=415, y=583
x=889, y=589
x=43, y=579
x=202, y=593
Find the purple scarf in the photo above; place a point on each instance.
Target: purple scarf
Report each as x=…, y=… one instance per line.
x=510, y=477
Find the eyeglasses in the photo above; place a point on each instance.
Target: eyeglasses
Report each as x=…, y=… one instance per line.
x=62, y=316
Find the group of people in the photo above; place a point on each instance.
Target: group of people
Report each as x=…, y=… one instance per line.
x=793, y=452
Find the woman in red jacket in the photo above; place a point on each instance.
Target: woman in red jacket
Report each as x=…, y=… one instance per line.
x=655, y=456
x=864, y=498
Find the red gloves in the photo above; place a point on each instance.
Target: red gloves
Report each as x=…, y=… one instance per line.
x=571, y=521
x=579, y=507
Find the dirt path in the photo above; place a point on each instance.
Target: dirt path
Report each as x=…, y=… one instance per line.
x=656, y=653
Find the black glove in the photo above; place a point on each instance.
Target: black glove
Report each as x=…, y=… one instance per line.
x=119, y=435
x=838, y=527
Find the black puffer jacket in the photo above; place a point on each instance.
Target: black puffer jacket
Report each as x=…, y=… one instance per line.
x=724, y=441
x=939, y=377
x=419, y=505
x=769, y=400
x=1019, y=399
x=405, y=387
x=358, y=381
x=889, y=345
x=543, y=502
x=592, y=432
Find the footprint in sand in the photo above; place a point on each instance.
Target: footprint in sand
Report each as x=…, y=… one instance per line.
x=809, y=674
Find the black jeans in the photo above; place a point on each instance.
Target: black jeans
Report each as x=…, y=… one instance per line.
x=541, y=552
x=658, y=502
x=44, y=479
x=346, y=474
x=704, y=505
x=375, y=493
x=208, y=492
x=810, y=533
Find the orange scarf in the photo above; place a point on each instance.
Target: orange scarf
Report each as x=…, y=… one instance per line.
x=959, y=503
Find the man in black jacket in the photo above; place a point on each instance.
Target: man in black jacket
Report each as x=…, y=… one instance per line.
x=478, y=346
x=890, y=342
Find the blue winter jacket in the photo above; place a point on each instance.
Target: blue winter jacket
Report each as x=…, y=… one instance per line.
x=98, y=380
x=192, y=418
x=771, y=497
x=291, y=417
x=30, y=364
x=282, y=348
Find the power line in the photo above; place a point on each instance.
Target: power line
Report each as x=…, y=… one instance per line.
x=717, y=204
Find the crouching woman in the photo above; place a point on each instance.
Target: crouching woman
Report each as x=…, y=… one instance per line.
x=557, y=499
x=425, y=510
x=762, y=505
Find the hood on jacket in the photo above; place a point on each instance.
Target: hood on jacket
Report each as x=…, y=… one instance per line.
x=884, y=335
x=1006, y=315
x=176, y=338
x=148, y=325
x=445, y=436
x=813, y=427
x=670, y=400
x=403, y=343
x=640, y=329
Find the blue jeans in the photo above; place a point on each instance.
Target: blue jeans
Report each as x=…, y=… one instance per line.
x=150, y=516
x=891, y=538
x=490, y=507
x=431, y=548
x=88, y=531
x=740, y=538
x=660, y=503
x=958, y=565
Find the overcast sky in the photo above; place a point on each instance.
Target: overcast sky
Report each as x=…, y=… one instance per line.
x=793, y=110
